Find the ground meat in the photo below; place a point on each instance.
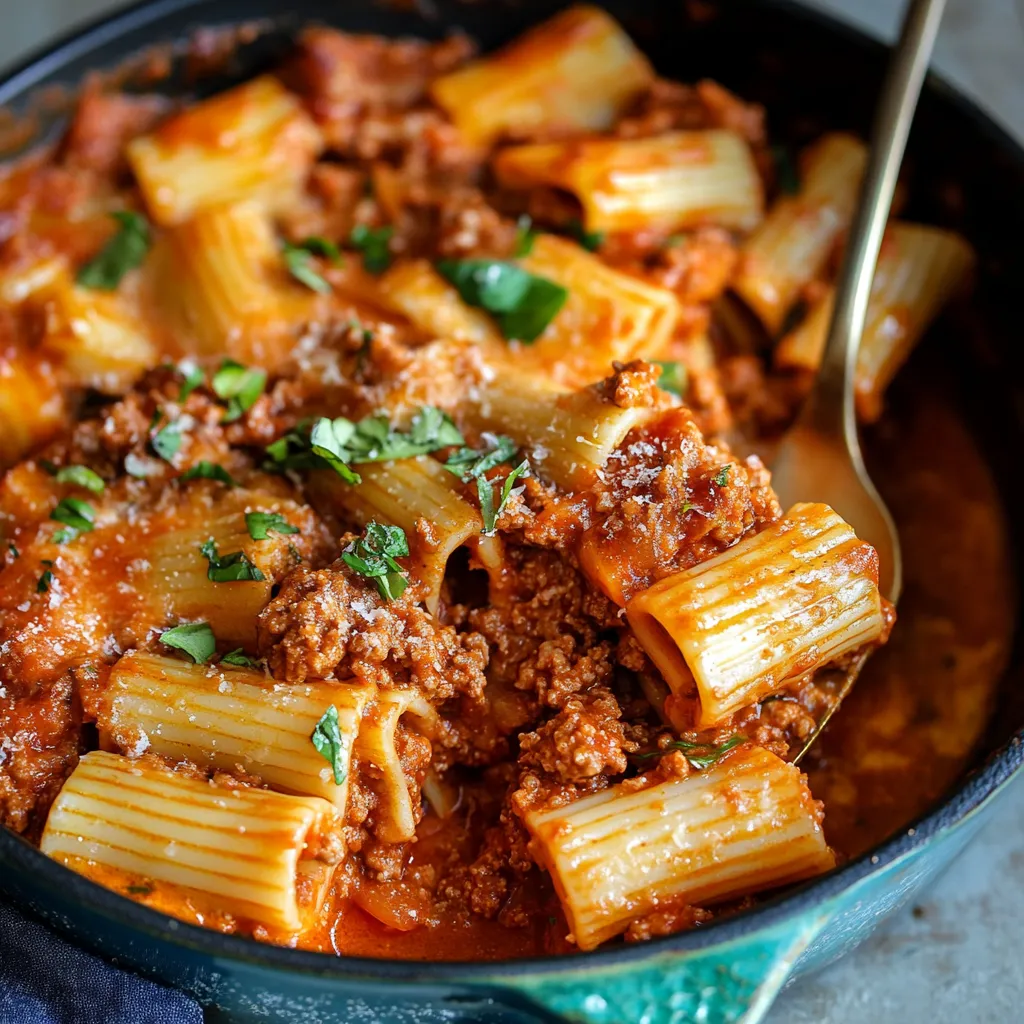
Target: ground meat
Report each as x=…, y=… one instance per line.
x=104, y=123
x=665, y=501
x=632, y=385
x=559, y=668
x=331, y=622
x=39, y=745
x=667, y=919
x=585, y=739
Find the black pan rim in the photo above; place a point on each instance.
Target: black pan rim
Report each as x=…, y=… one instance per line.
x=974, y=792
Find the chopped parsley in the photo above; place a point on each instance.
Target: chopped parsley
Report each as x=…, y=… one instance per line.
x=196, y=639
x=44, y=581
x=329, y=742
x=192, y=378
x=77, y=516
x=373, y=556
x=208, y=471
x=590, y=240
x=469, y=463
x=526, y=235
x=489, y=512
x=338, y=443
x=261, y=524
x=78, y=476
x=700, y=755
x=297, y=259
x=123, y=252
x=374, y=244
x=166, y=442
x=722, y=476
x=239, y=659
x=139, y=890
x=239, y=386
x=674, y=378
x=522, y=304
x=233, y=568
x=12, y=548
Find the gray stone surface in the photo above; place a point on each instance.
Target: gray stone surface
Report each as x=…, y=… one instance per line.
x=958, y=955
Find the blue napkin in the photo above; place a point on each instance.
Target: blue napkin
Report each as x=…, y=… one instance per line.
x=45, y=980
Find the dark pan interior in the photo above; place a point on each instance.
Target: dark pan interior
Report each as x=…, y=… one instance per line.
x=962, y=171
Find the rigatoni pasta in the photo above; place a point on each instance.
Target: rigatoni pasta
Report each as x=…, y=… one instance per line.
x=375, y=545
x=232, y=717
x=734, y=629
x=748, y=823
x=793, y=244
x=669, y=182
x=253, y=142
x=919, y=269
x=239, y=848
x=575, y=72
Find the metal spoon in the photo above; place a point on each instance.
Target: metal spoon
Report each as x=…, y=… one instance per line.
x=820, y=459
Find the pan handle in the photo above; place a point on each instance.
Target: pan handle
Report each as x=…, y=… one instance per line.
x=732, y=983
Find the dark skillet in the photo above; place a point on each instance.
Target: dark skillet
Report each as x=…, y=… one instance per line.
x=811, y=74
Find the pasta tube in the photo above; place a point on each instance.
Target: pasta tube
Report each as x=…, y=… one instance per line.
x=379, y=759
x=32, y=406
x=608, y=317
x=575, y=72
x=226, y=718
x=421, y=497
x=567, y=435
x=177, y=572
x=254, y=141
x=919, y=268
x=99, y=339
x=241, y=848
x=792, y=246
x=225, y=279
x=746, y=824
x=734, y=629
x=669, y=182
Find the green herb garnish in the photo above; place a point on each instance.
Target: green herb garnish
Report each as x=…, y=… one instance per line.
x=139, y=890
x=123, y=252
x=329, y=742
x=44, y=581
x=526, y=235
x=166, y=441
x=79, y=476
x=239, y=659
x=196, y=639
x=374, y=554
x=722, y=477
x=239, y=386
x=469, y=463
x=204, y=470
x=590, y=240
x=193, y=377
x=297, y=259
x=261, y=524
x=373, y=243
x=77, y=515
x=233, y=568
x=485, y=491
x=674, y=377
x=700, y=755
x=12, y=548
x=521, y=303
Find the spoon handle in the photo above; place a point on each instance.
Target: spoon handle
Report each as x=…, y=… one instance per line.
x=832, y=396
